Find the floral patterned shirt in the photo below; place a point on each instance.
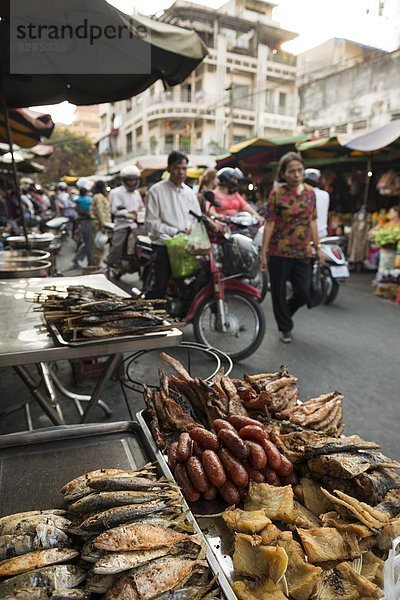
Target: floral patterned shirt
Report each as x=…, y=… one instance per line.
x=292, y=214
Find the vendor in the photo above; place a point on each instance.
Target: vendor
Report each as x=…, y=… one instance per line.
x=393, y=218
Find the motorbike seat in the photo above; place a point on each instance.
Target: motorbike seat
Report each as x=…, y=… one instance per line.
x=332, y=239
x=57, y=222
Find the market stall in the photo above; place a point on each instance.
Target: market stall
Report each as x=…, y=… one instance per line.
x=26, y=340
x=289, y=507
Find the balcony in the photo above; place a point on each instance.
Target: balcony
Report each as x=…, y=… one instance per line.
x=275, y=109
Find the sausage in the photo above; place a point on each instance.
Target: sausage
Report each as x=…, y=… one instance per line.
x=184, y=449
x=234, y=468
x=286, y=467
x=196, y=450
x=273, y=455
x=213, y=468
x=255, y=475
x=172, y=460
x=188, y=490
x=206, y=439
x=271, y=477
x=230, y=493
x=239, y=421
x=197, y=475
x=254, y=433
x=234, y=443
x=211, y=493
x=257, y=456
x=219, y=424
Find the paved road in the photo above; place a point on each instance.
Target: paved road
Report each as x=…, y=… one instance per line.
x=352, y=346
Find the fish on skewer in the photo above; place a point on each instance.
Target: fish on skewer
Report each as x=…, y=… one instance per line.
x=98, y=501
x=122, y=514
x=138, y=536
x=36, y=560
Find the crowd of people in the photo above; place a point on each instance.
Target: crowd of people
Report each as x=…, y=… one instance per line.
x=296, y=218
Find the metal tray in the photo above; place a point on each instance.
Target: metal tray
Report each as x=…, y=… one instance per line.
x=218, y=536
x=90, y=341
x=35, y=465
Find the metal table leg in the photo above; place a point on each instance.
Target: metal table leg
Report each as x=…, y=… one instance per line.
x=77, y=398
x=43, y=401
x=44, y=369
x=111, y=364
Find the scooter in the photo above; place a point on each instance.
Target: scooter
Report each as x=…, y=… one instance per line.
x=335, y=269
x=223, y=309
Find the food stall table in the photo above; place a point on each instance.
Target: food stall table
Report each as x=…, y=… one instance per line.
x=25, y=340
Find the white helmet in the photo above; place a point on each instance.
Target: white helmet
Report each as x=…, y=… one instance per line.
x=62, y=185
x=130, y=172
x=312, y=174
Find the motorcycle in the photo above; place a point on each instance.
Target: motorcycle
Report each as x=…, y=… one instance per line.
x=335, y=270
x=223, y=309
x=129, y=261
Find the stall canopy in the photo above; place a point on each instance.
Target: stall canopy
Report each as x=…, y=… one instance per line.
x=27, y=127
x=174, y=53
x=258, y=151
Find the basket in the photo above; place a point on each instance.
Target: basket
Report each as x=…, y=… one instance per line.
x=182, y=264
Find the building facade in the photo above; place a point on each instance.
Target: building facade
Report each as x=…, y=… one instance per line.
x=245, y=87
x=87, y=121
x=357, y=90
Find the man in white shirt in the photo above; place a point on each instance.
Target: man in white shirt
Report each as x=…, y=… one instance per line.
x=313, y=177
x=125, y=202
x=167, y=213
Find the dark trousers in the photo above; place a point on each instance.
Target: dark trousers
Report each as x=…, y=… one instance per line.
x=162, y=273
x=296, y=270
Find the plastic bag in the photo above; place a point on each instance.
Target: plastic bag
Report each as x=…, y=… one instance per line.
x=182, y=264
x=100, y=240
x=391, y=573
x=198, y=241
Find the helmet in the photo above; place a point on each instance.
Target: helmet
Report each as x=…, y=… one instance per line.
x=62, y=186
x=230, y=177
x=240, y=255
x=128, y=173
x=312, y=175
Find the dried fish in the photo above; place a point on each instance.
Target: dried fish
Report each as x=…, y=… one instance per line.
x=250, y=590
x=344, y=582
x=126, y=482
x=66, y=594
x=27, y=594
x=29, y=525
x=258, y=561
x=246, y=521
x=277, y=502
x=327, y=543
x=116, y=562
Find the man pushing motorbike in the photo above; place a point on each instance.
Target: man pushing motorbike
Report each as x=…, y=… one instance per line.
x=125, y=202
x=168, y=209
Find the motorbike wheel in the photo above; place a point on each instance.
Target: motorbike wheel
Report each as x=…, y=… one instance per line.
x=260, y=282
x=245, y=322
x=332, y=292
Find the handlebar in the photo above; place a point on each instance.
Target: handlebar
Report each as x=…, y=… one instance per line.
x=200, y=218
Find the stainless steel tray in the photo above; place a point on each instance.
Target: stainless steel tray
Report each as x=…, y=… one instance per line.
x=218, y=536
x=96, y=341
x=35, y=465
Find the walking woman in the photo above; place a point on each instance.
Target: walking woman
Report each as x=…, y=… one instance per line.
x=290, y=230
x=101, y=214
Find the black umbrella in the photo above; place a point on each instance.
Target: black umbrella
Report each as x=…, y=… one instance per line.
x=45, y=58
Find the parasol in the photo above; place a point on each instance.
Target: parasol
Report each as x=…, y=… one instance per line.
x=87, y=71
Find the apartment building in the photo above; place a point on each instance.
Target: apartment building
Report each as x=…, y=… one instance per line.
x=245, y=87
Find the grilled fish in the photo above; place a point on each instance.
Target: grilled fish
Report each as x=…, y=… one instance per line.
x=138, y=536
x=46, y=536
x=79, y=487
x=35, y=560
x=51, y=578
x=30, y=524
x=98, y=501
x=121, y=514
x=116, y=562
x=66, y=594
x=27, y=594
x=30, y=513
x=126, y=482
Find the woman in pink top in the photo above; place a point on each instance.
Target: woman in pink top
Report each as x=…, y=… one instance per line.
x=228, y=196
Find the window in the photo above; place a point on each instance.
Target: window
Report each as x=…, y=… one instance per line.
x=186, y=93
x=104, y=121
x=211, y=68
x=282, y=99
x=129, y=142
x=238, y=138
x=128, y=104
x=241, y=96
x=139, y=131
x=270, y=101
x=199, y=85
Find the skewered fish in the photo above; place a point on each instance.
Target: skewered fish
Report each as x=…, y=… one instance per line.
x=36, y=560
x=138, y=536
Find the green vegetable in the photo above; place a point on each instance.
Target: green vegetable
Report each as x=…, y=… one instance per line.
x=387, y=237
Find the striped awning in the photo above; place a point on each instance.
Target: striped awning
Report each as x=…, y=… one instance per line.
x=27, y=127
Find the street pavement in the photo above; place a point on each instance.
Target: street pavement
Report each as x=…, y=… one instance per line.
x=352, y=346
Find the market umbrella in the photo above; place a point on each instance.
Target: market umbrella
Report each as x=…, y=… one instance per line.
x=257, y=151
x=83, y=70
x=27, y=127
